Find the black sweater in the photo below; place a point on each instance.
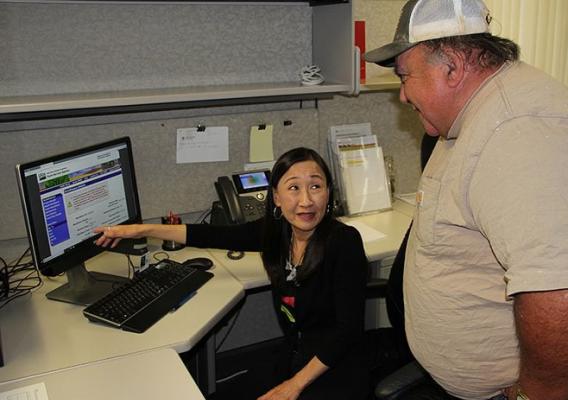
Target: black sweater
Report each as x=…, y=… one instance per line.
x=329, y=304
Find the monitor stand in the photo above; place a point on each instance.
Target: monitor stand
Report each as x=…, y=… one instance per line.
x=84, y=287
x=134, y=247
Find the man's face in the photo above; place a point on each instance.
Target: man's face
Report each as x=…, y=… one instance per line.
x=424, y=87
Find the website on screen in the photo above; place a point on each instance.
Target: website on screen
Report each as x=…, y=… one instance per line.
x=80, y=194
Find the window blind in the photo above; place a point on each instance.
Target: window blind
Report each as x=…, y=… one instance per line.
x=539, y=27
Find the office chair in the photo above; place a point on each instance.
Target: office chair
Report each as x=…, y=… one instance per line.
x=411, y=376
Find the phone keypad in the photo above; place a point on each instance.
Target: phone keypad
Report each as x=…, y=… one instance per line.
x=252, y=208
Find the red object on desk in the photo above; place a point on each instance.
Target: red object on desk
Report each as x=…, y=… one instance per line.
x=360, y=42
x=173, y=219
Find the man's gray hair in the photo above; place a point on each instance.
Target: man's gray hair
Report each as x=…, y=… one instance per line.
x=482, y=50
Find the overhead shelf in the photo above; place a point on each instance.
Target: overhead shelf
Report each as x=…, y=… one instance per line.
x=216, y=54
x=120, y=98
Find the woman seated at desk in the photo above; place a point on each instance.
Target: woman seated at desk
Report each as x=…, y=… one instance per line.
x=317, y=269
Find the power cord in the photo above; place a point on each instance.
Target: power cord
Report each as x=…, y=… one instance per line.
x=220, y=344
x=311, y=75
x=203, y=217
x=131, y=266
x=21, y=278
x=160, y=256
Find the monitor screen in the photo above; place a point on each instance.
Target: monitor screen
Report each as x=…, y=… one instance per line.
x=67, y=195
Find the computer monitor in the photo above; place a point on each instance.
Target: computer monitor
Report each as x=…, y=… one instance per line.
x=67, y=195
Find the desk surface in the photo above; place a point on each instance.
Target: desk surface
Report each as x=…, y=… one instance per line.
x=250, y=272
x=393, y=224
x=157, y=374
x=40, y=335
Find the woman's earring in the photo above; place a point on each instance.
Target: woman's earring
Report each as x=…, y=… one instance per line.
x=277, y=213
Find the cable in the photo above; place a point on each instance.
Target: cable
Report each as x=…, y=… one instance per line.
x=21, y=277
x=203, y=217
x=155, y=256
x=131, y=266
x=311, y=75
x=234, y=375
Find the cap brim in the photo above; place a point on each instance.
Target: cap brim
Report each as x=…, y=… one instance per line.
x=385, y=55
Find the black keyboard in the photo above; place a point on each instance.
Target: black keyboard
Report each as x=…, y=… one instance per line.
x=151, y=294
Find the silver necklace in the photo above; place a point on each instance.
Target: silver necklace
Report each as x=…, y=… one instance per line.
x=292, y=268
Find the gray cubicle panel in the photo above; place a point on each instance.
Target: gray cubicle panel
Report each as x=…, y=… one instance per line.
x=163, y=185
x=53, y=48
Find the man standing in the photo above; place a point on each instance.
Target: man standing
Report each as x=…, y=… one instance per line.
x=486, y=275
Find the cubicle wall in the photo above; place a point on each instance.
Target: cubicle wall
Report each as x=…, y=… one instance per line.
x=116, y=48
x=78, y=47
x=185, y=188
x=163, y=184
x=50, y=48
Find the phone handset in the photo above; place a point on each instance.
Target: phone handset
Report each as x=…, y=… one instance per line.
x=229, y=200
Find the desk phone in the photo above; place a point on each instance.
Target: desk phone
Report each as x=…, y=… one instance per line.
x=241, y=199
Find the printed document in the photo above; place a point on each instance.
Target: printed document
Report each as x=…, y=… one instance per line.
x=363, y=175
x=202, y=144
x=336, y=133
x=368, y=234
x=30, y=392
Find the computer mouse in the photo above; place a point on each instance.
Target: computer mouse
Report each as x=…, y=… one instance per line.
x=202, y=263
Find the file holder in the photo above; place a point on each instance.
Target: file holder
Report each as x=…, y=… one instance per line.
x=360, y=168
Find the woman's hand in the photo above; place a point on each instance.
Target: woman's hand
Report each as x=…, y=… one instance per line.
x=291, y=389
x=287, y=390
x=112, y=234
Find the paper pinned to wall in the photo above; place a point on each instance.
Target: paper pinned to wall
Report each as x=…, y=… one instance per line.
x=363, y=175
x=260, y=148
x=202, y=144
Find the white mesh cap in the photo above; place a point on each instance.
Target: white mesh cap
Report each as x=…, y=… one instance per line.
x=422, y=20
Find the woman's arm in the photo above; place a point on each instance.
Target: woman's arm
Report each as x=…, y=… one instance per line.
x=291, y=388
x=111, y=235
x=245, y=237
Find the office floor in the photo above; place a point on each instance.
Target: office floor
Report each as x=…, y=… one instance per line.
x=241, y=372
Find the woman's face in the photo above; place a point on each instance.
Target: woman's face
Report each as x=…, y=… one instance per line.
x=302, y=194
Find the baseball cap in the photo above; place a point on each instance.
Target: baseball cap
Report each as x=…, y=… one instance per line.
x=422, y=20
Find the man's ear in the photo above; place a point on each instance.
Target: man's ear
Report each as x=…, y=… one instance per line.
x=456, y=67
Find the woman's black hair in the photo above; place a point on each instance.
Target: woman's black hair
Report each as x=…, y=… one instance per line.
x=278, y=232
